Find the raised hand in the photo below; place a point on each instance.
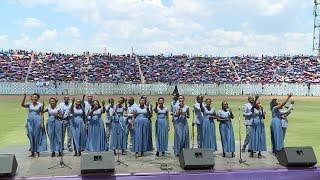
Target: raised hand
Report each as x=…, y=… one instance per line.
x=290, y=95
x=103, y=103
x=43, y=103
x=24, y=95
x=257, y=96
x=156, y=103
x=73, y=99
x=125, y=100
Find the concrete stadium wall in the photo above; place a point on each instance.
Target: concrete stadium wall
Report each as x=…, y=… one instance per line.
x=158, y=89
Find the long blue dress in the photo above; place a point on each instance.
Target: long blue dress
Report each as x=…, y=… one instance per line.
x=36, y=135
x=54, y=130
x=118, y=132
x=141, y=130
x=78, y=129
x=161, y=127
x=226, y=132
x=96, y=139
x=276, y=130
x=181, y=133
x=258, y=135
x=208, y=130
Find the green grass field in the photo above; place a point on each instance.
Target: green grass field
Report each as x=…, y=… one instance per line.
x=303, y=121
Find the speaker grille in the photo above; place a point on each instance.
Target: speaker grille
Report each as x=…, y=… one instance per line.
x=297, y=156
x=97, y=162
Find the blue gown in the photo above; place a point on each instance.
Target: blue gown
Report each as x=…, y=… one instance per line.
x=78, y=130
x=36, y=135
x=208, y=130
x=258, y=135
x=226, y=132
x=118, y=132
x=161, y=127
x=141, y=130
x=181, y=133
x=276, y=130
x=96, y=139
x=54, y=128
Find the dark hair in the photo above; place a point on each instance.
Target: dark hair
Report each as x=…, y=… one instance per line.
x=109, y=100
x=176, y=94
x=36, y=94
x=53, y=99
x=223, y=102
x=208, y=99
x=80, y=103
x=182, y=96
x=92, y=105
x=273, y=103
x=160, y=98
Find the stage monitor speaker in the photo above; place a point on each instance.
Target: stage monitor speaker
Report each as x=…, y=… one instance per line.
x=191, y=159
x=8, y=165
x=297, y=157
x=97, y=162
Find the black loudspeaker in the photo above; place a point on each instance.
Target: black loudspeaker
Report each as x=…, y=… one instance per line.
x=297, y=157
x=8, y=165
x=196, y=159
x=97, y=162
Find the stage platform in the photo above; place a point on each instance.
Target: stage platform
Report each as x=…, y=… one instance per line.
x=148, y=167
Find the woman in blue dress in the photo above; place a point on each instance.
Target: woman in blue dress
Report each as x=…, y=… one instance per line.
x=54, y=127
x=208, y=127
x=181, y=133
x=257, y=140
x=226, y=129
x=35, y=125
x=276, y=125
x=96, y=139
x=78, y=127
x=140, y=124
x=118, y=132
x=162, y=126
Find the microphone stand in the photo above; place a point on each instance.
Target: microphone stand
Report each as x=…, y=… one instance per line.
x=61, y=163
x=241, y=161
x=192, y=129
x=118, y=162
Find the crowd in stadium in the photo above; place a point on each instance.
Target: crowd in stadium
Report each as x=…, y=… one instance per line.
x=21, y=66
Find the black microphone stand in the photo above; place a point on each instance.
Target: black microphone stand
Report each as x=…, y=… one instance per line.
x=62, y=164
x=193, y=129
x=118, y=162
x=241, y=161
